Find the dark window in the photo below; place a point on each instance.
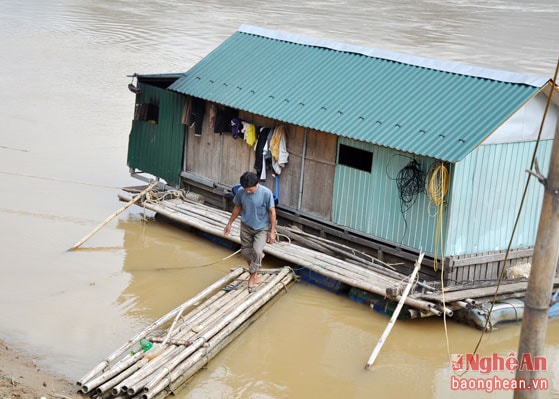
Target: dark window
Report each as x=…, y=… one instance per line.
x=147, y=112
x=355, y=158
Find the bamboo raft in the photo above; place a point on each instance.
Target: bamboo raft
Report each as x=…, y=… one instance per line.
x=185, y=339
x=334, y=261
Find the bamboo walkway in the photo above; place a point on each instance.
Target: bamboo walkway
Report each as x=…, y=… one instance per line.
x=375, y=278
x=185, y=339
x=369, y=275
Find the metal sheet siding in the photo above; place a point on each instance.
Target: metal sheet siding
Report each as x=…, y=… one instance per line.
x=487, y=188
x=370, y=202
x=158, y=148
x=414, y=109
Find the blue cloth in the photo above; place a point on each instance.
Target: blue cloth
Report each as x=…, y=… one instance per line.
x=255, y=207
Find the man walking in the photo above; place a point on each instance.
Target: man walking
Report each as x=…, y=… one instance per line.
x=255, y=204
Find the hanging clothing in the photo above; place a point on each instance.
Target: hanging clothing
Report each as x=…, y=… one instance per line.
x=250, y=133
x=198, y=109
x=236, y=127
x=278, y=148
x=268, y=153
x=259, y=164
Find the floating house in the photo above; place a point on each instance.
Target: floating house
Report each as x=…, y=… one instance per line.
x=390, y=153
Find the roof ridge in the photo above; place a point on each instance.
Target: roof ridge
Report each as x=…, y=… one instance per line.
x=430, y=63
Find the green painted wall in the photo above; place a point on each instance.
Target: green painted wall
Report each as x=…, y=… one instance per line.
x=157, y=148
x=370, y=202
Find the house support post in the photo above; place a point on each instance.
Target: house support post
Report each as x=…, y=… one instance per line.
x=540, y=283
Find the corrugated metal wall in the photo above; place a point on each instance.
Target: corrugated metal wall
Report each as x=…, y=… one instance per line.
x=157, y=148
x=487, y=188
x=370, y=202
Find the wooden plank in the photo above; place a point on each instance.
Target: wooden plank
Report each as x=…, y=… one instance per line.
x=505, y=288
x=476, y=269
x=318, y=190
x=319, y=177
x=238, y=157
x=491, y=257
x=295, y=141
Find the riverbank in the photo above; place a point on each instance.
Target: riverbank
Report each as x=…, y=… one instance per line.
x=22, y=378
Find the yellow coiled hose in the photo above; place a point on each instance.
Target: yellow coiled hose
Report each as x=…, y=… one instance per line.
x=437, y=188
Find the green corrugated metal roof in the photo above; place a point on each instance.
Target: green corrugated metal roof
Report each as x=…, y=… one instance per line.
x=421, y=106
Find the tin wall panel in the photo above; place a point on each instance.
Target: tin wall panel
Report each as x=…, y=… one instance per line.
x=370, y=202
x=487, y=189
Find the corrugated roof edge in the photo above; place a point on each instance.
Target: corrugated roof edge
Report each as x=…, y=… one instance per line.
x=446, y=66
x=157, y=75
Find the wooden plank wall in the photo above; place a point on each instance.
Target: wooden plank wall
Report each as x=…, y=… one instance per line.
x=483, y=267
x=204, y=154
x=320, y=166
x=220, y=158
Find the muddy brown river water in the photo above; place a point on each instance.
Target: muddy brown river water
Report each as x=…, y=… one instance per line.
x=66, y=114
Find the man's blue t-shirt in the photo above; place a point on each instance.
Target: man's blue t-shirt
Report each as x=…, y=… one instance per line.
x=255, y=206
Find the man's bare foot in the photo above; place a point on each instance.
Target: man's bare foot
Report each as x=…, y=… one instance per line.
x=253, y=280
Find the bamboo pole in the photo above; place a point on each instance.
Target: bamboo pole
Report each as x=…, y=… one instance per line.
x=163, y=363
x=207, y=335
x=107, y=386
x=116, y=369
x=221, y=217
x=189, y=367
x=366, y=283
x=218, y=301
x=161, y=321
x=197, y=315
x=396, y=313
x=333, y=247
x=111, y=217
x=540, y=282
x=342, y=267
x=225, y=313
x=135, y=382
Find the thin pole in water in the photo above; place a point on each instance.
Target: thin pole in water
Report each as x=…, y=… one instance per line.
x=107, y=220
x=392, y=321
